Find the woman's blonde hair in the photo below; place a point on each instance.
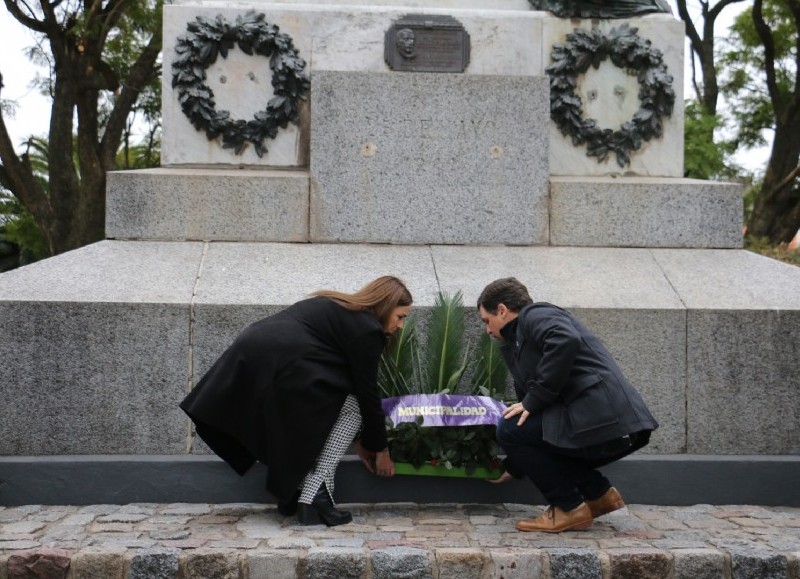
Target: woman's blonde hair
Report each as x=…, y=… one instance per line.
x=380, y=297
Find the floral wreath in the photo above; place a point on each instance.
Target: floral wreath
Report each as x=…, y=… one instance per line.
x=198, y=50
x=629, y=52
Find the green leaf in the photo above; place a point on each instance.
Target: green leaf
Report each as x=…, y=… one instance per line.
x=444, y=344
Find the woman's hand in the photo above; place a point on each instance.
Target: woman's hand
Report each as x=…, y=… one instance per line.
x=383, y=463
x=367, y=457
x=503, y=478
x=515, y=409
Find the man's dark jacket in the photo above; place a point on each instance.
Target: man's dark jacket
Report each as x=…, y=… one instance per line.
x=275, y=393
x=563, y=371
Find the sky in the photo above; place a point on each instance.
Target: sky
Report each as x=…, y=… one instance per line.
x=33, y=112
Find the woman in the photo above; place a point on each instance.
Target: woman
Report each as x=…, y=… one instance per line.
x=295, y=389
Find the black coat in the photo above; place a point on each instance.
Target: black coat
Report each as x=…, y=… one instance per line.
x=562, y=370
x=275, y=393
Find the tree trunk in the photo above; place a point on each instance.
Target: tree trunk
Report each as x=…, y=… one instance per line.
x=776, y=211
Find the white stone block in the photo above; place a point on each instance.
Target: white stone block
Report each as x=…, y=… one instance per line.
x=659, y=157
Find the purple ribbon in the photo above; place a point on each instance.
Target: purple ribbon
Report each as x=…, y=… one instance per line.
x=444, y=409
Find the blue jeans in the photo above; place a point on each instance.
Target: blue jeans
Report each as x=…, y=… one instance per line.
x=565, y=476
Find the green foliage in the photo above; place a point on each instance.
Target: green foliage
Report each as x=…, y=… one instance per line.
x=21, y=242
x=742, y=64
x=464, y=446
x=749, y=200
x=438, y=364
x=438, y=367
x=444, y=361
x=400, y=367
x=490, y=373
x=703, y=157
x=105, y=59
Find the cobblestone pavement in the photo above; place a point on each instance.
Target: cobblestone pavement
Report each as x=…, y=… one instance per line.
x=394, y=540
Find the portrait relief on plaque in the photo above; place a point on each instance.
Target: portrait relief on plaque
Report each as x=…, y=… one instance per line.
x=426, y=43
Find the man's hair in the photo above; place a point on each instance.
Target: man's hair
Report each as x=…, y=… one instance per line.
x=508, y=291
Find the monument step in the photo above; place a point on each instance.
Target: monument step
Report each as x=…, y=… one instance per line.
x=100, y=344
x=645, y=479
x=180, y=204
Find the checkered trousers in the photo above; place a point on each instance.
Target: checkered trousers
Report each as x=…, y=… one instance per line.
x=344, y=431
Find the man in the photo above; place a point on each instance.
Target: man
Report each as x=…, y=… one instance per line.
x=405, y=42
x=576, y=411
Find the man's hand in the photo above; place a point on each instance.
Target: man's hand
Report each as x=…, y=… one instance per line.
x=367, y=457
x=503, y=478
x=515, y=409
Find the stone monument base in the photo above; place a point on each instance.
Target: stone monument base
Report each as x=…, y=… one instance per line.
x=218, y=204
x=101, y=344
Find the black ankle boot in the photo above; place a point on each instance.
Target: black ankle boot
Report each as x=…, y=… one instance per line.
x=289, y=507
x=321, y=510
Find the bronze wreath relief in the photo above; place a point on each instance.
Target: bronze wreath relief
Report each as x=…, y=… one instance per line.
x=628, y=51
x=208, y=38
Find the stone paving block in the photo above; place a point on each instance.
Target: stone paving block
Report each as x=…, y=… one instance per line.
x=211, y=564
x=94, y=563
x=19, y=545
x=21, y=528
x=39, y=563
x=698, y=563
x=516, y=564
x=334, y=563
x=401, y=562
x=641, y=563
x=291, y=542
x=260, y=526
x=758, y=564
x=461, y=563
x=573, y=564
x=282, y=564
x=158, y=563
x=793, y=560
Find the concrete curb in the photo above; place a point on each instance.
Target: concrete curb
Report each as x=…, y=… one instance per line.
x=401, y=561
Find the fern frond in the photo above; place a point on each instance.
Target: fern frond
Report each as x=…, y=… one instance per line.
x=491, y=373
x=444, y=346
x=396, y=375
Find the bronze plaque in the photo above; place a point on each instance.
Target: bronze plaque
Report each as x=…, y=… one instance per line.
x=427, y=43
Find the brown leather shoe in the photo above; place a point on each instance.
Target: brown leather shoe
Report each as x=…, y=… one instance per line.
x=556, y=520
x=610, y=501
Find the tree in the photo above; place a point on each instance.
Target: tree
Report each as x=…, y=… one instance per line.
x=702, y=47
x=103, y=57
x=705, y=158
x=763, y=86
